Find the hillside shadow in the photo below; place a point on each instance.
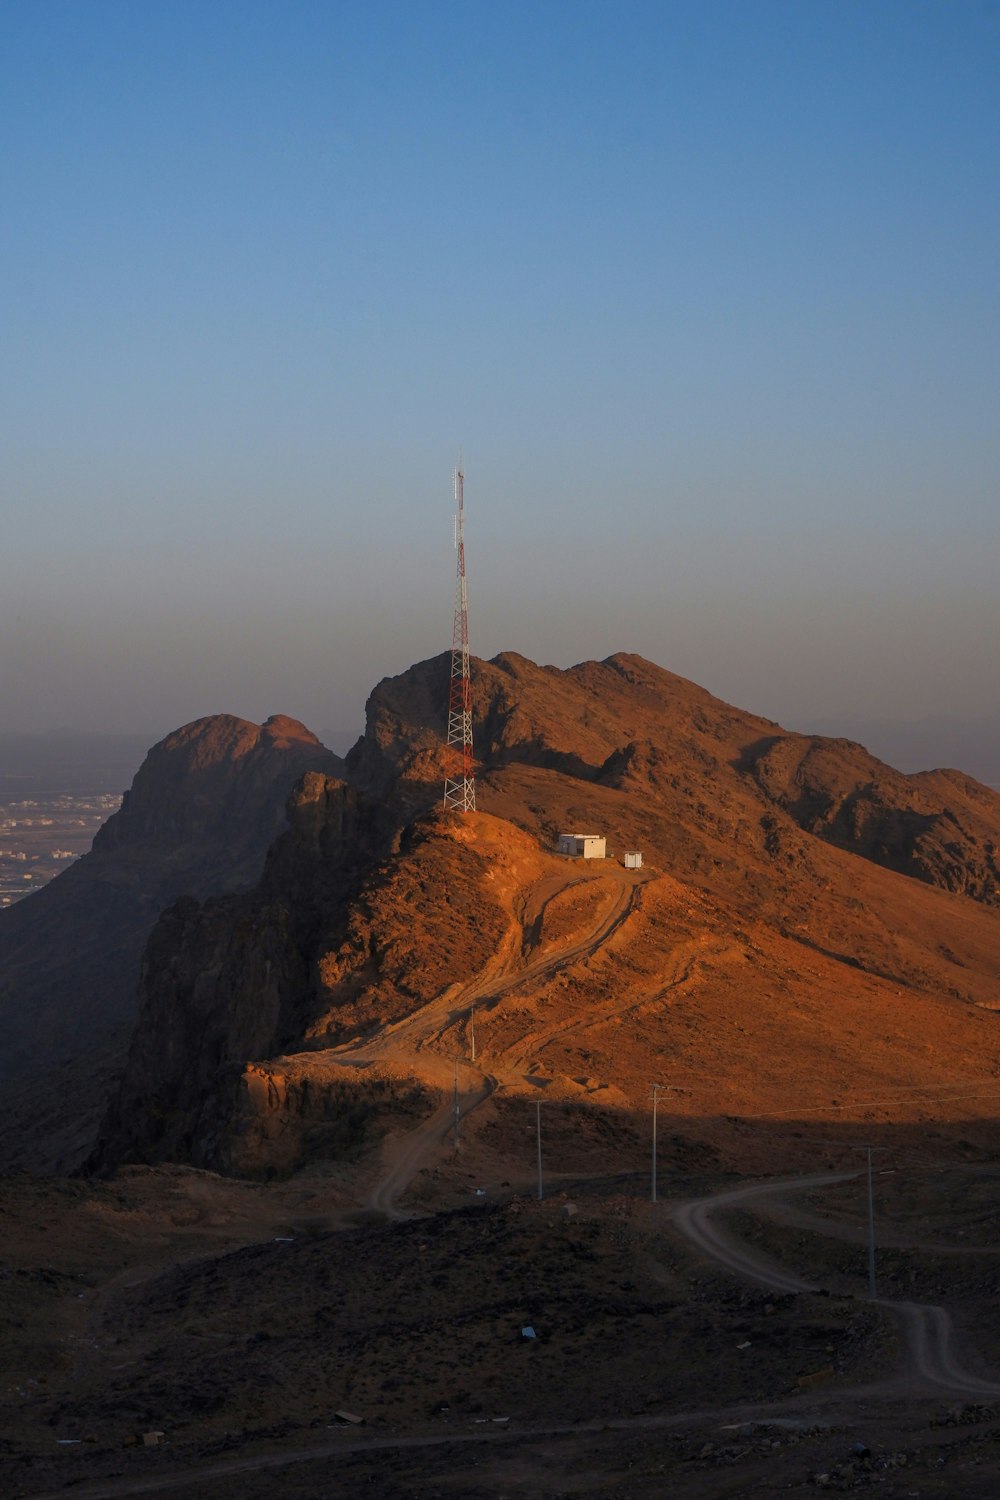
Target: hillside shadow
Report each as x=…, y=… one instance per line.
x=589, y=1144
x=850, y=959
x=752, y=753
x=537, y=753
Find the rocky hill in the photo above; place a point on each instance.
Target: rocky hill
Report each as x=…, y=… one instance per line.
x=631, y=726
x=202, y=811
x=812, y=930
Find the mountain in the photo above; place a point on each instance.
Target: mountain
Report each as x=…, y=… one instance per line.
x=629, y=725
x=812, y=932
x=202, y=811
x=939, y=739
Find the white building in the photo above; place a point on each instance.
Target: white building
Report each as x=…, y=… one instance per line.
x=633, y=859
x=582, y=845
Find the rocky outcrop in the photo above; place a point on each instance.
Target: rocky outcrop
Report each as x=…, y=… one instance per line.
x=203, y=809
x=282, y=1114
x=210, y=798
x=939, y=826
x=350, y=927
x=372, y=902
x=231, y=979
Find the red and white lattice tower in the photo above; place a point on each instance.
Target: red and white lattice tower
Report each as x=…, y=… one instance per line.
x=459, y=781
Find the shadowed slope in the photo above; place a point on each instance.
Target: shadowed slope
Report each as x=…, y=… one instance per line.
x=203, y=809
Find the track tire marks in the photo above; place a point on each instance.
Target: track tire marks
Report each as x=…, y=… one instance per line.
x=927, y=1328
x=426, y=1028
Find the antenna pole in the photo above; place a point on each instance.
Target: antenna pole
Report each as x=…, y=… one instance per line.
x=459, y=782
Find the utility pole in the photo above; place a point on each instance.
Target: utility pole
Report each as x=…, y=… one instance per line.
x=472, y=1025
x=538, y=1144
x=871, y=1231
x=457, y=1111
x=657, y=1090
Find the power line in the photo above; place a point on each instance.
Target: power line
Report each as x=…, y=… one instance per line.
x=885, y=1103
x=871, y=1104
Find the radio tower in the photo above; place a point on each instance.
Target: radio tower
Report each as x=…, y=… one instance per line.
x=459, y=781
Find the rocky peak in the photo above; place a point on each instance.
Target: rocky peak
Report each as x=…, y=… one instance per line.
x=198, y=820
x=218, y=778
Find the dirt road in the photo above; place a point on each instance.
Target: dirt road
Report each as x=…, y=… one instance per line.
x=423, y=1034
x=509, y=970
x=927, y=1328
x=405, y=1155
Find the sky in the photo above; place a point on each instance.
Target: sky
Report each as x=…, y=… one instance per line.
x=705, y=291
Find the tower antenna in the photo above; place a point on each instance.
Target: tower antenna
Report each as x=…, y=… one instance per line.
x=459, y=781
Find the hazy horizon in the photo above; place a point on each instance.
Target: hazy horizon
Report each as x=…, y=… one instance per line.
x=707, y=293
x=972, y=746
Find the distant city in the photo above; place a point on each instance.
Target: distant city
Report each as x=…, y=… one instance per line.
x=39, y=836
x=57, y=789
x=55, y=792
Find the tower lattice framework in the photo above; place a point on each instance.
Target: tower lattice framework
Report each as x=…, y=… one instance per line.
x=460, y=782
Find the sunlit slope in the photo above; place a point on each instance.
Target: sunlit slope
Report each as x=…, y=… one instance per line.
x=825, y=989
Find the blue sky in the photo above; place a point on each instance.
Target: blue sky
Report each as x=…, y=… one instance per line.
x=706, y=292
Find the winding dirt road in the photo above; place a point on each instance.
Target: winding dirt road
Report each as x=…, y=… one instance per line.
x=509, y=970
x=694, y=1220
x=927, y=1328
x=423, y=1033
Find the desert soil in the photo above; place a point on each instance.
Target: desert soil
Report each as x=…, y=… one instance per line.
x=719, y=1342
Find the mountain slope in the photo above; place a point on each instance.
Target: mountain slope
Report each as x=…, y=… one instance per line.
x=202, y=811
x=797, y=893
x=630, y=725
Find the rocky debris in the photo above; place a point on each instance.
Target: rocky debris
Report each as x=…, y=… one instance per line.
x=859, y=1471
x=967, y=1415
x=416, y=1326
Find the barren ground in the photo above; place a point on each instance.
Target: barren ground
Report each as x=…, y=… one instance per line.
x=677, y=1350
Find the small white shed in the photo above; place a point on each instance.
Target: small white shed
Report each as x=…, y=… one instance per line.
x=582, y=845
x=633, y=859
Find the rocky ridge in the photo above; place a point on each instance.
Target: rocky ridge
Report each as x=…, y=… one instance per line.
x=787, y=873
x=203, y=809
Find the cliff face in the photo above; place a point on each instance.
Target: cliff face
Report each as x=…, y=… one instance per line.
x=373, y=903
x=316, y=946
x=204, y=808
